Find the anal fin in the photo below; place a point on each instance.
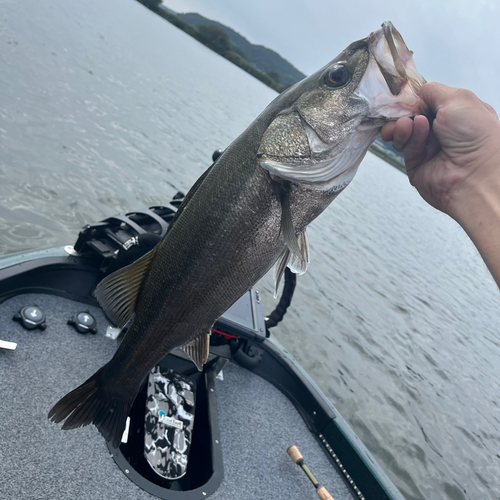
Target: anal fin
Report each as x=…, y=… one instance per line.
x=198, y=350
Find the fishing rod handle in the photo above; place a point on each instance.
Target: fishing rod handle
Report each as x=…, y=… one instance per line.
x=323, y=493
x=295, y=454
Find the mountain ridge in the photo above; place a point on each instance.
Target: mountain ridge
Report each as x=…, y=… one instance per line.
x=263, y=58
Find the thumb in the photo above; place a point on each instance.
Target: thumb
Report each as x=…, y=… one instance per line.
x=435, y=95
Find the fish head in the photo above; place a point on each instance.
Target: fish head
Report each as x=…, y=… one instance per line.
x=328, y=121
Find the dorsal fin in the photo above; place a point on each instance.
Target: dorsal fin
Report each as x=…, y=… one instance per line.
x=117, y=293
x=198, y=350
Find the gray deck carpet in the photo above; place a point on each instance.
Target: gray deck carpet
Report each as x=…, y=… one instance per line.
x=39, y=461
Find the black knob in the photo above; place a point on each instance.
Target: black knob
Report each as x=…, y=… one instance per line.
x=31, y=317
x=83, y=322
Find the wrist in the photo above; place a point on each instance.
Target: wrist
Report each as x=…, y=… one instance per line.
x=476, y=202
x=475, y=174
x=479, y=215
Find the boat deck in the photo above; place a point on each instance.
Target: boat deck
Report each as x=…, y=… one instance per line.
x=39, y=461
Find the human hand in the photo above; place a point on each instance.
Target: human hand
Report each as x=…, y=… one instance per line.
x=460, y=155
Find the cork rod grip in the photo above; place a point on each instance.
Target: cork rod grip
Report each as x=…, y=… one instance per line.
x=323, y=494
x=295, y=454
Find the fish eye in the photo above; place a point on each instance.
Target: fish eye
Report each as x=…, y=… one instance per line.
x=337, y=77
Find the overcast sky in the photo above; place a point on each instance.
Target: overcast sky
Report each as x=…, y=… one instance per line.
x=456, y=42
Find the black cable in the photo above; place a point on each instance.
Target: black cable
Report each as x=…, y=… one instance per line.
x=286, y=298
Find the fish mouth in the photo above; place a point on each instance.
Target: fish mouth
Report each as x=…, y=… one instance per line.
x=397, y=82
x=391, y=81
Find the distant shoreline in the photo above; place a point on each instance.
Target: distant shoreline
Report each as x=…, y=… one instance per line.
x=217, y=40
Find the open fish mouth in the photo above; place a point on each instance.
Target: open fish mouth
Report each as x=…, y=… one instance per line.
x=406, y=70
x=391, y=81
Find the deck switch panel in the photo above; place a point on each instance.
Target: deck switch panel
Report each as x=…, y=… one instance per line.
x=31, y=317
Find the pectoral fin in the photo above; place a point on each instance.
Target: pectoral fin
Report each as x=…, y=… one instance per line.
x=296, y=264
x=198, y=350
x=296, y=253
x=117, y=293
x=287, y=229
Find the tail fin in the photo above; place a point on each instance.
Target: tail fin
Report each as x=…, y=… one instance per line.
x=92, y=403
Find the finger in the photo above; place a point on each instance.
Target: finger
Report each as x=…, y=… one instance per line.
x=387, y=131
x=402, y=133
x=491, y=109
x=435, y=95
x=415, y=149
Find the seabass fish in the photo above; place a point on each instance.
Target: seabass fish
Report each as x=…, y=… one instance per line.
x=248, y=212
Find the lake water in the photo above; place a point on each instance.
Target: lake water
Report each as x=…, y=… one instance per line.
x=105, y=107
